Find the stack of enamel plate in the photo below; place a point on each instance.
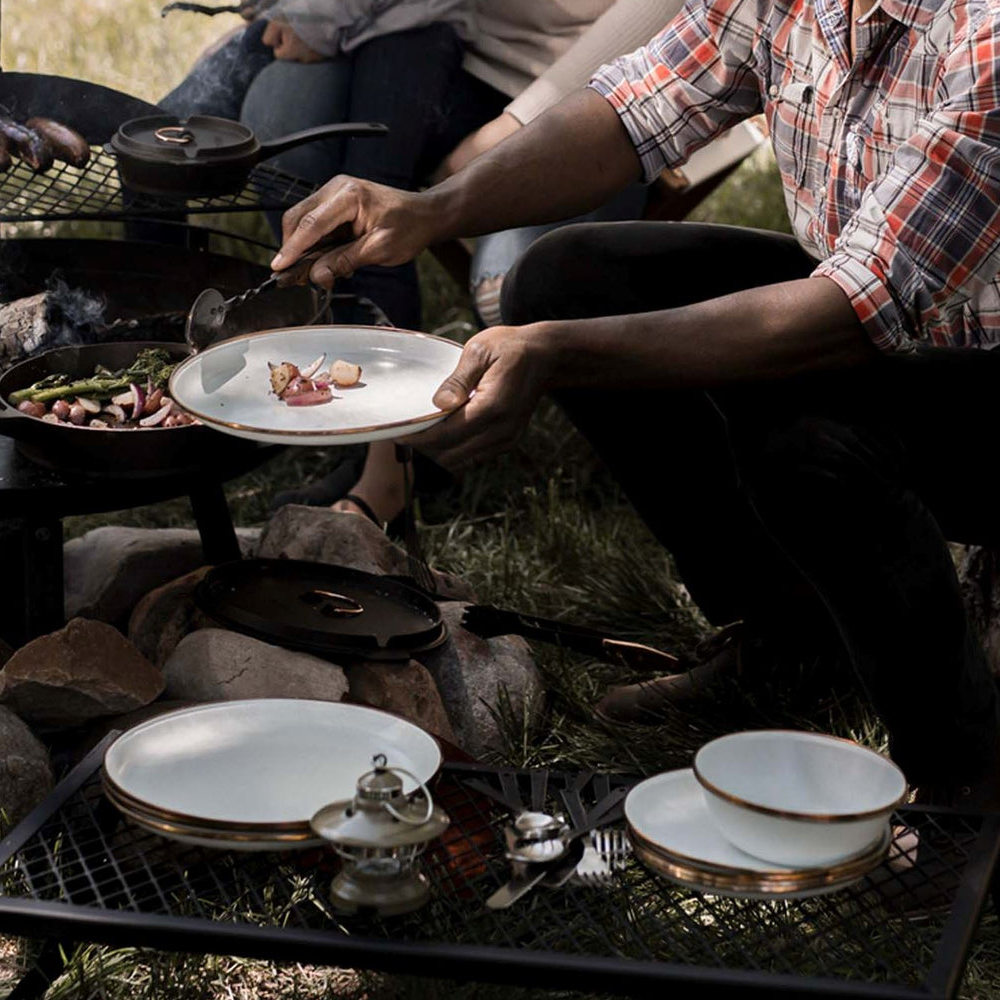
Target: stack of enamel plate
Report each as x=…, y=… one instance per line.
x=249, y=775
x=793, y=827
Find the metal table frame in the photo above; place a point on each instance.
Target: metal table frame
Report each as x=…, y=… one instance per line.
x=533, y=957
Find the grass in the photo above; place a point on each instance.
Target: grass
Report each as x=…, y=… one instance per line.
x=543, y=529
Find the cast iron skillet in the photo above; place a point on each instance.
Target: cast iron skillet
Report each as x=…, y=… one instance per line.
x=202, y=156
x=327, y=610
x=114, y=454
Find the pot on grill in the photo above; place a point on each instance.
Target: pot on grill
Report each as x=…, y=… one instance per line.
x=202, y=155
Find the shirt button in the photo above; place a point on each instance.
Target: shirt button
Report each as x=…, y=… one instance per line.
x=773, y=90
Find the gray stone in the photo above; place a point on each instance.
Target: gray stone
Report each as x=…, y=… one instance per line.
x=25, y=772
x=213, y=664
x=481, y=679
x=405, y=689
x=165, y=615
x=109, y=569
x=318, y=534
x=84, y=671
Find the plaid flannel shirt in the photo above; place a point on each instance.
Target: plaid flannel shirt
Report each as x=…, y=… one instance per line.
x=890, y=164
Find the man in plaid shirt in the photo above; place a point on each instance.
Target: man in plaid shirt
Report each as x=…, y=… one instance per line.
x=802, y=422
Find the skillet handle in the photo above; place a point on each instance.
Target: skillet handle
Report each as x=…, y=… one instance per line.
x=344, y=130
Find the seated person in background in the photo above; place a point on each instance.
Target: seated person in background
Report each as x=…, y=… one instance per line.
x=821, y=405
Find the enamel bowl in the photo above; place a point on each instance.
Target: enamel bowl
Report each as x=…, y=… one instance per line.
x=798, y=799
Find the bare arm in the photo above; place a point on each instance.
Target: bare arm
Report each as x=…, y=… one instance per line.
x=568, y=161
x=769, y=332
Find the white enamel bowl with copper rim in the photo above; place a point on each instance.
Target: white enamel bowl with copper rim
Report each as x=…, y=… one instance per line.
x=798, y=799
x=260, y=767
x=228, y=387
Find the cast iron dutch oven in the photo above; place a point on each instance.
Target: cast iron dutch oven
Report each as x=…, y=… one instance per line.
x=203, y=156
x=115, y=454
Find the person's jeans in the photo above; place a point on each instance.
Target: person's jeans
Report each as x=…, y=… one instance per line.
x=808, y=506
x=496, y=253
x=411, y=81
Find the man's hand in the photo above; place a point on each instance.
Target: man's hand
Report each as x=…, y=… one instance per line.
x=475, y=144
x=390, y=226
x=287, y=45
x=500, y=377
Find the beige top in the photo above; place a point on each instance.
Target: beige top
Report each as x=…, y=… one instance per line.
x=538, y=51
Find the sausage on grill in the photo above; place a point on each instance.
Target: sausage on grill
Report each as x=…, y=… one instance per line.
x=33, y=148
x=68, y=145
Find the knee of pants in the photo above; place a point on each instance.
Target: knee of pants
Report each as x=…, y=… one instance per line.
x=811, y=452
x=542, y=283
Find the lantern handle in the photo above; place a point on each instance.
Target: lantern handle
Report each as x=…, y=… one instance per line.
x=396, y=814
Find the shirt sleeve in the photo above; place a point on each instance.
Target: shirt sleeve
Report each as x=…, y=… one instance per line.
x=926, y=235
x=693, y=81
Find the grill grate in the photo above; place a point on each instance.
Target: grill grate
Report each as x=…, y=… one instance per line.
x=94, y=192
x=80, y=872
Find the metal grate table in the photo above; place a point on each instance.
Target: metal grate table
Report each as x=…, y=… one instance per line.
x=74, y=871
x=95, y=192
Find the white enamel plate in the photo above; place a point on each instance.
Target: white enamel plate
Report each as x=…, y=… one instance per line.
x=268, y=762
x=228, y=386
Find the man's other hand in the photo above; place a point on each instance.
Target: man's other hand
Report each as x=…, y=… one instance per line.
x=287, y=45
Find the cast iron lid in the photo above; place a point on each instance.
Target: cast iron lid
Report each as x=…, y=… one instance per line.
x=197, y=138
x=321, y=609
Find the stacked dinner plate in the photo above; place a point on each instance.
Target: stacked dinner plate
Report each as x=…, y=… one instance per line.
x=792, y=807
x=249, y=775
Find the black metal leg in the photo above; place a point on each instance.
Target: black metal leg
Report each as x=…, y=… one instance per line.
x=45, y=970
x=215, y=524
x=32, y=552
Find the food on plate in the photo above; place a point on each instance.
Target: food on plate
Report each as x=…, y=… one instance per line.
x=310, y=386
x=131, y=398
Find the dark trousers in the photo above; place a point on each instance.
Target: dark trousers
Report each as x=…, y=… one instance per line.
x=810, y=507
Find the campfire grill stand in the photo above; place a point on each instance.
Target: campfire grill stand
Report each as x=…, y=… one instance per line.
x=74, y=870
x=33, y=500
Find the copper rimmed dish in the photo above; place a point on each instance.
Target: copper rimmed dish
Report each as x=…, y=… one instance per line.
x=228, y=386
x=796, y=798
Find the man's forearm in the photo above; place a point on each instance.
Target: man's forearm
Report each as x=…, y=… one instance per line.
x=568, y=161
x=769, y=332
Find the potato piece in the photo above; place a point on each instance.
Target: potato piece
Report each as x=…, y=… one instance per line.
x=344, y=374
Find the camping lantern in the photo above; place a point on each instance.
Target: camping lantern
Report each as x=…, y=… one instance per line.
x=380, y=833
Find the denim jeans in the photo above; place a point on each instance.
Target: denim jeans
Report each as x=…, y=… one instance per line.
x=411, y=81
x=814, y=507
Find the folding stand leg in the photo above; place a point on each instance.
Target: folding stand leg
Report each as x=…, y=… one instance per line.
x=45, y=970
x=215, y=524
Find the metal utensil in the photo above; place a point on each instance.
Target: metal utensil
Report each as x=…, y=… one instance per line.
x=206, y=318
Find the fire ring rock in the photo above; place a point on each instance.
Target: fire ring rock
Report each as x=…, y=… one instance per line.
x=25, y=773
x=213, y=664
x=82, y=672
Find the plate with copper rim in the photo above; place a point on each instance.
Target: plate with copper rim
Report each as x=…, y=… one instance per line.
x=747, y=885
x=262, y=766
x=667, y=814
x=207, y=836
x=228, y=386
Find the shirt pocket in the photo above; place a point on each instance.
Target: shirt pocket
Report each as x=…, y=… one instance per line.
x=790, y=115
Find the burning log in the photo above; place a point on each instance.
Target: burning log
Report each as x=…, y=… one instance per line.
x=25, y=327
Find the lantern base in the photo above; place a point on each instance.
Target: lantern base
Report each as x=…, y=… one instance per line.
x=387, y=895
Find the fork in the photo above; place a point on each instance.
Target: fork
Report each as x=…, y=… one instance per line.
x=603, y=856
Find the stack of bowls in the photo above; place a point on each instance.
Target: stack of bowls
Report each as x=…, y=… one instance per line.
x=767, y=813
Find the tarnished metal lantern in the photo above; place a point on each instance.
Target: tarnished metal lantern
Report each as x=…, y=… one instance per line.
x=380, y=834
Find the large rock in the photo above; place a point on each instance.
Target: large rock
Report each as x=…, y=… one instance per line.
x=318, y=534
x=481, y=680
x=165, y=615
x=25, y=772
x=215, y=665
x=82, y=672
x=109, y=569
x=405, y=689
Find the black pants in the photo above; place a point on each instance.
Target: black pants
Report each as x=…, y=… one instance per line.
x=810, y=507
